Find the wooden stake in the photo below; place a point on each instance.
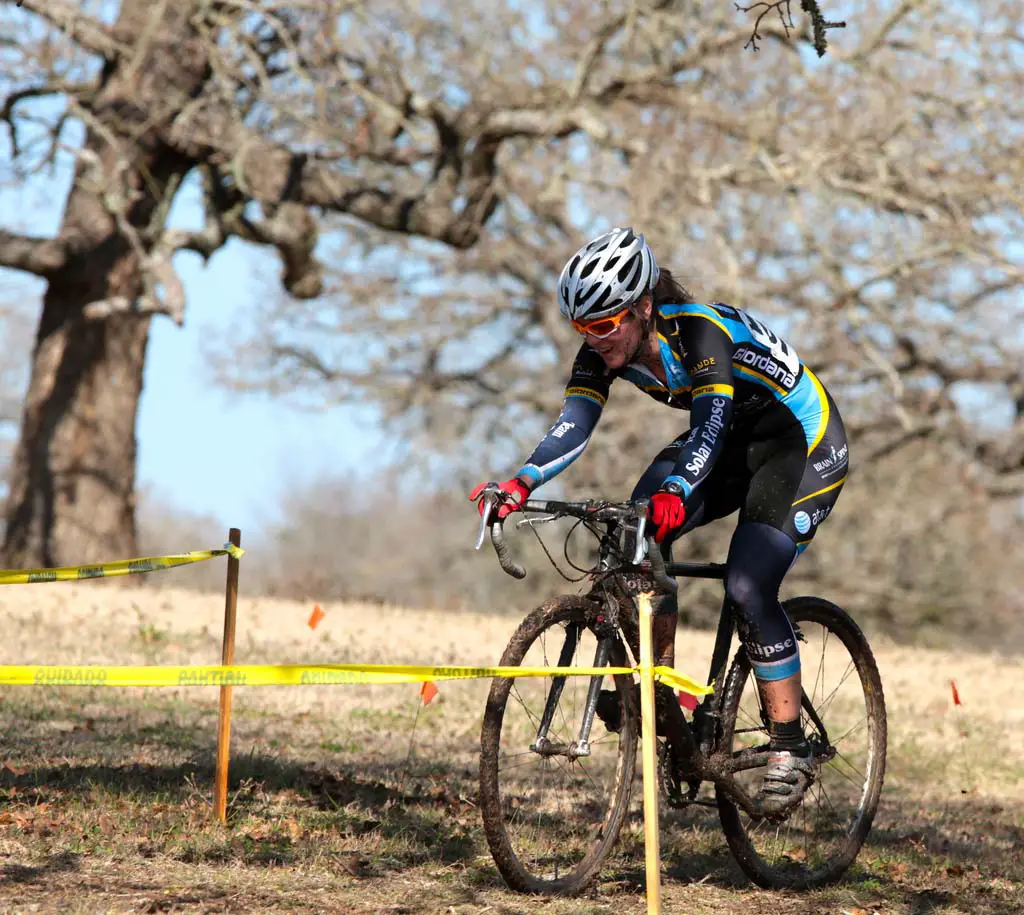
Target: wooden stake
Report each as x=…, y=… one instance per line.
x=220, y=786
x=649, y=752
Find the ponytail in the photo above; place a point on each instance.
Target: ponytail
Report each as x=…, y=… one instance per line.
x=669, y=290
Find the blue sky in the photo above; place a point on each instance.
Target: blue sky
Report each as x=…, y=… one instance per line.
x=227, y=454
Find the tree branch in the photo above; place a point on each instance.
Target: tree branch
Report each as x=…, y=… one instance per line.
x=293, y=230
x=895, y=443
x=272, y=174
x=289, y=227
x=53, y=88
x=143, y=307
x=41, y=256
x=819, y=25
x=88, y=33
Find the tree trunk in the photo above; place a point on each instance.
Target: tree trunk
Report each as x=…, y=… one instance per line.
x=72, y=483
x=72, y=487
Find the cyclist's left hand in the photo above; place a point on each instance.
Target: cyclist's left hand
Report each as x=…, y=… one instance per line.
x=667, y=513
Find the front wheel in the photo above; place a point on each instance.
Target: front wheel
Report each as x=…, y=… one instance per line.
x=551, y=819
x=818, y=840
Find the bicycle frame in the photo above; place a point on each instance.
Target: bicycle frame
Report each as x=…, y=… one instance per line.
x=694, y=757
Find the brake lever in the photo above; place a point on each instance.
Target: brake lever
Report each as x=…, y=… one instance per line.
x=641, y=541
x=490, y=499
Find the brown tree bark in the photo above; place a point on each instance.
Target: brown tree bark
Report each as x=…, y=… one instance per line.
x=72, y=482
x=73, y=478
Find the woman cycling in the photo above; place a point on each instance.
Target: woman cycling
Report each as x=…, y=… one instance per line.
x=765, y=438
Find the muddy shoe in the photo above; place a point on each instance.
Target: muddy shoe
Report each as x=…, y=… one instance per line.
x=609, y=710
x=789, y=774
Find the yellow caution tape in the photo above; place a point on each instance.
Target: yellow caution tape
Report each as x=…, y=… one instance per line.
x=113, y=569
x=681, y=682
x=301, y=675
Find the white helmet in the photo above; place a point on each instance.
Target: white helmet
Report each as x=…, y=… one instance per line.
x=606, y=275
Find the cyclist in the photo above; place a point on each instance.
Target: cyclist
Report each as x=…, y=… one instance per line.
x=765, y=438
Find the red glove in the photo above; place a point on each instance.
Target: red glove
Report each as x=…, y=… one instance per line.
x=667, y=512
x=515, y=487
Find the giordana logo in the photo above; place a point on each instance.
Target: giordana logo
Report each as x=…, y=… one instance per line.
x=802, y=522
x=767, y=365
x=561, y=429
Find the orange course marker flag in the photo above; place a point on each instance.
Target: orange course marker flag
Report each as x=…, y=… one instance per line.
x=427, y=692
x=956, y=694
x=316, y=616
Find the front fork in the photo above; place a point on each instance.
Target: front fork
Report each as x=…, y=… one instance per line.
x=543, y=745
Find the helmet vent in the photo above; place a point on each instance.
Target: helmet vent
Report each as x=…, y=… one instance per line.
x=601, y=300
x=631, y=266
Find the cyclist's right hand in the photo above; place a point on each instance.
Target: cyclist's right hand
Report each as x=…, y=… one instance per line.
x=517, y=492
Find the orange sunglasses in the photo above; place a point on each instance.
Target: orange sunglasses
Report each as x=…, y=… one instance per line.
x=602, y=327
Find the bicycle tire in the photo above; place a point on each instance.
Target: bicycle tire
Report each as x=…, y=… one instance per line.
x=795, y=863
x=538, y=855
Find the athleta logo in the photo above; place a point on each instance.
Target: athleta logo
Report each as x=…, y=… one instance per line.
x=709, y=434
x=765, y=364
x=561, y=429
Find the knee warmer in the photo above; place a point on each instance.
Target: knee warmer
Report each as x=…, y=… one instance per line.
x=758, y=560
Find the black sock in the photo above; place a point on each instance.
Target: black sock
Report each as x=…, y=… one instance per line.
x=787, y=735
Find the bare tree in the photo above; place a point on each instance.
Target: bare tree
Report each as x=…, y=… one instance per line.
x=286, y=111
x=869, y=209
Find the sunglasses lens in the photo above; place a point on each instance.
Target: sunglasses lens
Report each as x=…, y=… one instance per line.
x=602, y=328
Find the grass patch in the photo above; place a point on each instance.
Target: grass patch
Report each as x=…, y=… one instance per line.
x=336, y=805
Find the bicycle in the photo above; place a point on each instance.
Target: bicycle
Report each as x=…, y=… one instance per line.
x=555, y=785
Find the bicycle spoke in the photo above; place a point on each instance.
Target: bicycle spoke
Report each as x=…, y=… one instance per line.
x=816, y=840
x=860, y=725
x=822, y=707
x=550, y=819
x=834, y=768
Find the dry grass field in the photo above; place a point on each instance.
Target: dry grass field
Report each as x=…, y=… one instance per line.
x=336, y=804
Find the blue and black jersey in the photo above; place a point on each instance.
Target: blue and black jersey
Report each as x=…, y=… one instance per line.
x=724, y=366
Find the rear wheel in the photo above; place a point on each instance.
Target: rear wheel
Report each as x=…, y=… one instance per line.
x=552, y=820
x=818, y=840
